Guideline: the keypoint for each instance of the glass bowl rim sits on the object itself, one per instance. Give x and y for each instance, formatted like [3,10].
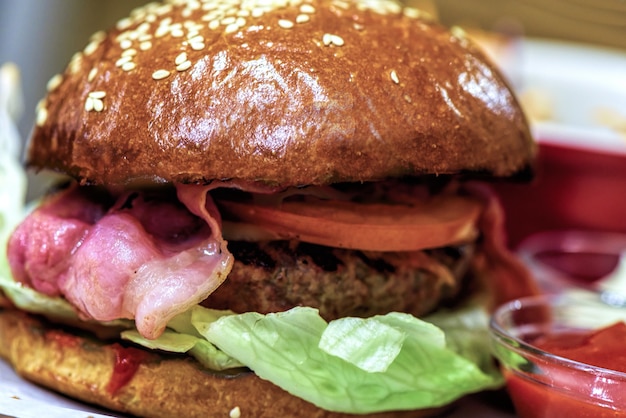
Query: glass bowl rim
[501,336]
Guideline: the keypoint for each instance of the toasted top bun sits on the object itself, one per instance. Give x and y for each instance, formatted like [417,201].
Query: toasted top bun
[280,92]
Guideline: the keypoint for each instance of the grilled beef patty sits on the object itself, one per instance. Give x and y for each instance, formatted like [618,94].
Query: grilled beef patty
[278,275]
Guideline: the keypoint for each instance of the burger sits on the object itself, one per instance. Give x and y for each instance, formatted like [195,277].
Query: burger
[273,208]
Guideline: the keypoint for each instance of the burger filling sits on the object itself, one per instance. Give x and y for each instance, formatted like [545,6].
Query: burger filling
[315,289]
[275,276]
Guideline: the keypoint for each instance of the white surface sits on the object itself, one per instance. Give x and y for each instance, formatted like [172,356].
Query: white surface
[22,399]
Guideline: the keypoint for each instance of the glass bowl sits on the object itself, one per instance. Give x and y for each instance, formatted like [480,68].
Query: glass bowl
[544,384]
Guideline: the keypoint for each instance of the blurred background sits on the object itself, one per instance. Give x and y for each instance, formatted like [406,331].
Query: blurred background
[565,58]
[41,36]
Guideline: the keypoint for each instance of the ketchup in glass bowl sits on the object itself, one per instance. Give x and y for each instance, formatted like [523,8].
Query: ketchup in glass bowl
[562,355]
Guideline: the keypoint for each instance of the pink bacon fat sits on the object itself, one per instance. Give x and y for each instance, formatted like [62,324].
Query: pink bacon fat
[138,256]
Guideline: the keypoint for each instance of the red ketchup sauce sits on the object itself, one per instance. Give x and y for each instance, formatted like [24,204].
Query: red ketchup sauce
[587,394]
[127,362]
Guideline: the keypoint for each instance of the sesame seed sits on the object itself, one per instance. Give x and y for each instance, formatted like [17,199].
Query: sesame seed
[98,105]
[177,33]
[89,104]
[76,62]
[97,94]
[241,22]
[235,413]
[197,46]
[182,57]
[394,77]
[302,18]
[98,36]
[145,37]
[341,4]
[129,52]
[330,39]
[358,26]
[213,15]
[307,8]
[126,43]
[143,28]
[124,23]
[285,24]
[160,74]
[129,66]
[144,46]
[458,32]
[337,40]
[192,27]
[92,74]
[42,116]
[91,47]
[394,8]
[123,61]
[257,12]
[228,20]
[54,82]
[164,9]
[232,28]
[412,12]
[197,39]
[132,35]
[214,24]
[243,13]
[161,31]
[183,66]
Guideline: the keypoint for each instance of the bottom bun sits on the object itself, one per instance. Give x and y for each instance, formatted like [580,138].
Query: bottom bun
[157,385]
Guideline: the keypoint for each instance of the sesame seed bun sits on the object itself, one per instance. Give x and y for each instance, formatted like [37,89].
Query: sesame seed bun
[317,92]
[161,387]
[282,93]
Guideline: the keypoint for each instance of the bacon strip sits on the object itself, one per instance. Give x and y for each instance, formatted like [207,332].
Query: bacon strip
[496,266]
[142,258]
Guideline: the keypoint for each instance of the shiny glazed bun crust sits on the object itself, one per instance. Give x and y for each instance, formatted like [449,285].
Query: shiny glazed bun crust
[283,93]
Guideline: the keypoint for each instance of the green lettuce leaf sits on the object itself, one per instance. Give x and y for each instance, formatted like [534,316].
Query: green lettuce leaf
[206,353]
[467,333]
[367,343]
[30,300]
[284,349]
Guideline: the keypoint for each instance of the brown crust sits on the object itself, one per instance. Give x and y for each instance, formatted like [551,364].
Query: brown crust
[402,96]
[161,387]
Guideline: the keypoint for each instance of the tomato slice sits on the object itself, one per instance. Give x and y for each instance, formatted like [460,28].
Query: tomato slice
[435,222]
